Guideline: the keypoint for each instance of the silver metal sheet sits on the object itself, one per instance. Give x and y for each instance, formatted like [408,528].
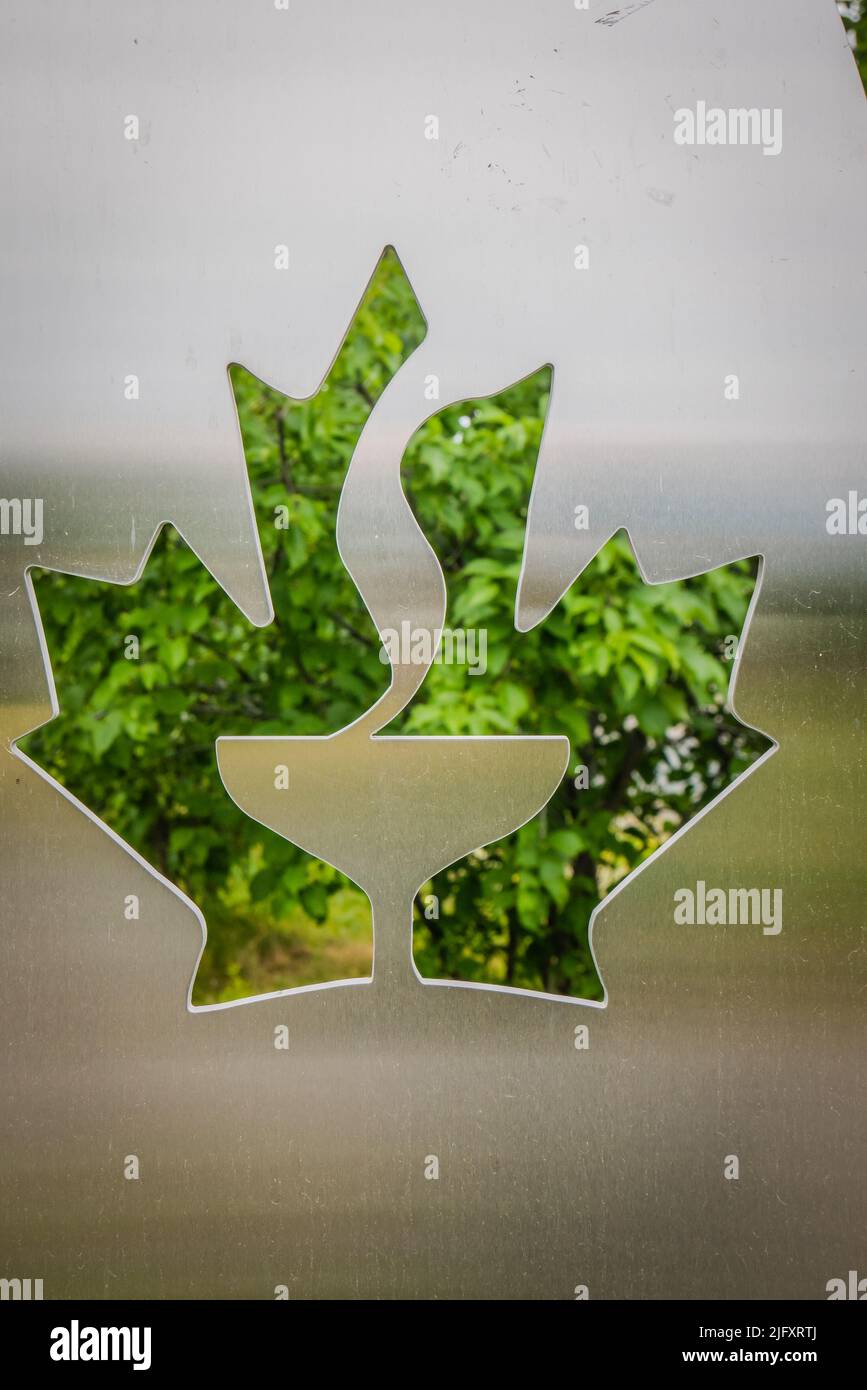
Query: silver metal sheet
[155,258]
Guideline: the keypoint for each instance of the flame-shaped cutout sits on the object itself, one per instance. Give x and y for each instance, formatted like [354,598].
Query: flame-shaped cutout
[391,811]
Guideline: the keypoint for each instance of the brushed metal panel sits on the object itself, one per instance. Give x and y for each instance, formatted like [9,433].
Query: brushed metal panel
[262,128]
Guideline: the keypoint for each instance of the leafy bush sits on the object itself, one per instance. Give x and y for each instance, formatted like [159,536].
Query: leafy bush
[634,675]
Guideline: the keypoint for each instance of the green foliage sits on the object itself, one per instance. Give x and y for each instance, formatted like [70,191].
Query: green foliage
[854,14]
[632,674]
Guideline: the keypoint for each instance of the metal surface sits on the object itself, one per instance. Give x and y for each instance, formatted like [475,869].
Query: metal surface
[261,128]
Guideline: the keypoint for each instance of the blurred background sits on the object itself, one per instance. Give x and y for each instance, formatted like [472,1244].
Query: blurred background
[636,676]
